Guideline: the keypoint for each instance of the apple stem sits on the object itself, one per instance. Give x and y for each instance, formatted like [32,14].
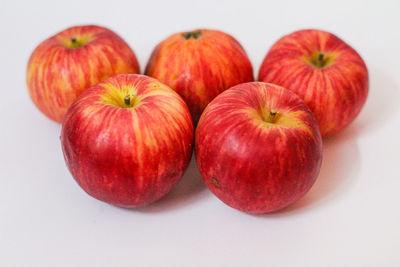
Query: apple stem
[272,116]
[73,40]
[127,100]
[194,35]
[321,57]
[320,62]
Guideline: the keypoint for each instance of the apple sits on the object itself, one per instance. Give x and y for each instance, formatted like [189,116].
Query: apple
[127,140]
[258,147]
[324,71]
[64,65]
[199,65]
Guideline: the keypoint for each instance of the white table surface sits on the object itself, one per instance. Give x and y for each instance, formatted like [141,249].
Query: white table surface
[349,218]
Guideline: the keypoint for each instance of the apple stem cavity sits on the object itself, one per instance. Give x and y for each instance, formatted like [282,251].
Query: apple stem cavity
[74,43]
[189,35]
[320,60]
[272,116]
[127,100]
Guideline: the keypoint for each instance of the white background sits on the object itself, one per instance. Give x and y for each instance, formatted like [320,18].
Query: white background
[349,218]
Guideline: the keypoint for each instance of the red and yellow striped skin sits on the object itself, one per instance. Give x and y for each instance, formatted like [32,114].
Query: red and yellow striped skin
[335,93]
[249,163]
[200,69]
[128,156]
[57,74]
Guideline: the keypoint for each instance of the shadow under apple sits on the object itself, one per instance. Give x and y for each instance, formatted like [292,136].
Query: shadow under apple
[339,171]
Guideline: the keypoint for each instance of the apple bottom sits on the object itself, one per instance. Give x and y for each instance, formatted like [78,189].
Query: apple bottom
[125,192]
[249,188]
[253,200]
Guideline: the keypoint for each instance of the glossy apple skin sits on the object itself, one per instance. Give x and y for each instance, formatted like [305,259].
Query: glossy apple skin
[200,69]
[336,93]
[250,164]
[57,73]
[129,157]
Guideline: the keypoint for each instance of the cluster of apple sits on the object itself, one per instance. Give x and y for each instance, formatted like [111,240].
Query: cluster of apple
[127,138]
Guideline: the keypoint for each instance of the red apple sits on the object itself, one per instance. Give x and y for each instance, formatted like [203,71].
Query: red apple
[64,65]
[258,147]
[127,140]
[324,71]
[199,65]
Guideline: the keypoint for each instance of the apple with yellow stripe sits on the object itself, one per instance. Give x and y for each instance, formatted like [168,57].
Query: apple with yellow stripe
[258,147]
[199,65]
[324,71]
[128,140]
[64,65]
